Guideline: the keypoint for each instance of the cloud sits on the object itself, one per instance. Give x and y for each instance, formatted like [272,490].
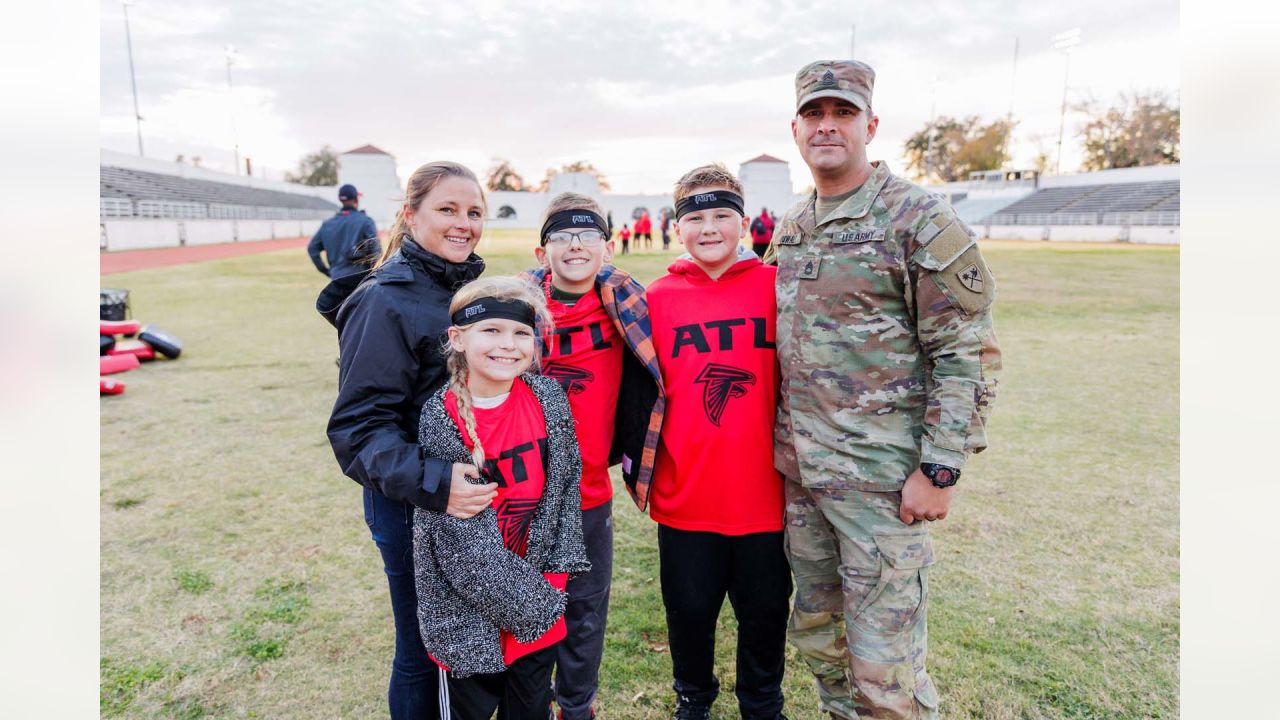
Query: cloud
[639,90]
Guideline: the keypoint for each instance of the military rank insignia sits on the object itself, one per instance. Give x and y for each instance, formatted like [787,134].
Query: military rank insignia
[971,278]
[809,264]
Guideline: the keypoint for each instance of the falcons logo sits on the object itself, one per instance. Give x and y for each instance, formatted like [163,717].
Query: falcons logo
[722,383]
[573,380]
[514,518]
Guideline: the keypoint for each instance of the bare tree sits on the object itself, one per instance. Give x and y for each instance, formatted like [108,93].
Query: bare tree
[1141,128]
[504,177]
[957,147]
[582,166]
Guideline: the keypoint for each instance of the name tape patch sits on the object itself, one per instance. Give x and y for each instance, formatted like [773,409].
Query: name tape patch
[860,235]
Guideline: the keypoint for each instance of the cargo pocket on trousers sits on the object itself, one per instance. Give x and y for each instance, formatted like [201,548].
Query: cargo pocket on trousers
[894,605]
[926,693]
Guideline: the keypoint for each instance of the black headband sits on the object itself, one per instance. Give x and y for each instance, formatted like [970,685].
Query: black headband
[489,308]
[572,219]
[708,200]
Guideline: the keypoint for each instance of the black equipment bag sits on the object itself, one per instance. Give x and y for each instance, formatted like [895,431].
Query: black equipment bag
[161,341]
[105,344]
[114,304]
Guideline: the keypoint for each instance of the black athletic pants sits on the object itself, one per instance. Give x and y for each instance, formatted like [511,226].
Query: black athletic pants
[578,655]
[697,570]
[521,692]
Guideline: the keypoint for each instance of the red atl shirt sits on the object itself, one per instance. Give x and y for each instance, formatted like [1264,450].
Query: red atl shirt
[514,438]
[584,355]
[715,341]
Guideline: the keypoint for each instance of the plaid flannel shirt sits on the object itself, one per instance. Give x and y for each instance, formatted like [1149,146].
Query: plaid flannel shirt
[624,301]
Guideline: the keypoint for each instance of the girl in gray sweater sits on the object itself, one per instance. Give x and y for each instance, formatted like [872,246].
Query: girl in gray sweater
[491,588]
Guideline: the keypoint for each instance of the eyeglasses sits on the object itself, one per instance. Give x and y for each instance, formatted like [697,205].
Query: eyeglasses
[564,238]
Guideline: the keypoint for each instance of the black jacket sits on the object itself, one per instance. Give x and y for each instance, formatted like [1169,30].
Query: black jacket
[349,240]
[391,324]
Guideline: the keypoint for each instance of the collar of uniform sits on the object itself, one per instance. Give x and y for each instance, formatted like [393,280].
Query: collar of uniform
[858,205]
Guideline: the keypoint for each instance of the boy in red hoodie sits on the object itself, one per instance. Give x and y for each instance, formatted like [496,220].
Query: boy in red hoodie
[716,497]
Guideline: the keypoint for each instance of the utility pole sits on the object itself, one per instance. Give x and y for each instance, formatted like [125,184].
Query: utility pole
[1066,42]
[230,51]
[128,38]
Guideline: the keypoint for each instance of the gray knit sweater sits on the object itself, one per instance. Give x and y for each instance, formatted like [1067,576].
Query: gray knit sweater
[469,584]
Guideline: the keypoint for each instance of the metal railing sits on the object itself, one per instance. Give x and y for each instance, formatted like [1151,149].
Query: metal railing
[1146,217]
[175,210]
[1090,218]
[115,207]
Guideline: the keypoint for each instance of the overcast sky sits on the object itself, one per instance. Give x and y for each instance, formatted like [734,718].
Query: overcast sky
[644,91]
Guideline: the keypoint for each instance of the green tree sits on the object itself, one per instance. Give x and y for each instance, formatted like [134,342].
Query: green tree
[1141,128]
[960,146]
[582,166]
[317,168]
[504,177]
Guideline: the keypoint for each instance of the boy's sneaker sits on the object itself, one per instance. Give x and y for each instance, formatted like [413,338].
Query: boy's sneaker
[686,709]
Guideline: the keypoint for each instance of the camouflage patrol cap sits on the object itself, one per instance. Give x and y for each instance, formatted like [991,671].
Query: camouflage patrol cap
[846,79]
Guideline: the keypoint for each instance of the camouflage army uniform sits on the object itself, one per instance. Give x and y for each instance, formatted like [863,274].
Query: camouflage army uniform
[888,356]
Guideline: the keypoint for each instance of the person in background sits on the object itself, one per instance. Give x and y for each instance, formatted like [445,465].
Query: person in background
[644,229]
[625,234]
[761,232]
[666,229]
[349,239]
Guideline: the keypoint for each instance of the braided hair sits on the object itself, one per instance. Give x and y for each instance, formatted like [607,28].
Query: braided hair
[503,288]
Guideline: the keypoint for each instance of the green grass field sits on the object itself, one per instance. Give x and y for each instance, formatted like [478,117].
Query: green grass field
[239,580]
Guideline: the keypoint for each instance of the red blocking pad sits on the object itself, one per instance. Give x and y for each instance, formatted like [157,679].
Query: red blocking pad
[137,348]
[119,327]
[109,364]
[109,387]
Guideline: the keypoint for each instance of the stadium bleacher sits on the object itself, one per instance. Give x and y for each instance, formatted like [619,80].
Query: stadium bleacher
[125,192]
[1134,203]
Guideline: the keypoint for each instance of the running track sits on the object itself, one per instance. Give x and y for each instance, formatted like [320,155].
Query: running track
[127,260]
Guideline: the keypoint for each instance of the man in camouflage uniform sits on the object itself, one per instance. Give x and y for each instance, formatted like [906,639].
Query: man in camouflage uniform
[888,356]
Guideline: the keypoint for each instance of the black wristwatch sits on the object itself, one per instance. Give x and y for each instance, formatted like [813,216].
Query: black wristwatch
[940,475]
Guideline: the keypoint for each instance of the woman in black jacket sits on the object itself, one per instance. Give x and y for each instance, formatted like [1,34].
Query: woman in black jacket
[390,330]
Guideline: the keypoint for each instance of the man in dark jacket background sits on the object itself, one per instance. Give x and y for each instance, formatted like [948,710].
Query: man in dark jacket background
[349,239]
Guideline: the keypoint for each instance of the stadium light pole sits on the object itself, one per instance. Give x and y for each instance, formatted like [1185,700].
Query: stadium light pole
[230,52]
[1013,94]
[933,114]
[128,39]
[1066,42]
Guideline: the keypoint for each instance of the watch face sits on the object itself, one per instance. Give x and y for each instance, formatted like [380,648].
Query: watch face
[943,476]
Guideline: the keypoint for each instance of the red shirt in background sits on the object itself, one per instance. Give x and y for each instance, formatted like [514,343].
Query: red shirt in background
[715,341]
[514,438]
[584,355]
